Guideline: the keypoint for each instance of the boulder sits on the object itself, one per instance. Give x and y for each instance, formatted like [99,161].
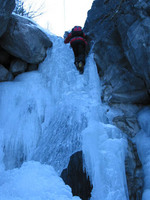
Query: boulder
[25,40]
[5,75]
[6,8]
[17,67]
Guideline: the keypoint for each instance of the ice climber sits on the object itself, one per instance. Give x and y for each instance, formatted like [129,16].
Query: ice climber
[78,42]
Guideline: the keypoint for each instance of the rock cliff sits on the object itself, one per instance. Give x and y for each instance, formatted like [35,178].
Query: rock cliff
[120,31]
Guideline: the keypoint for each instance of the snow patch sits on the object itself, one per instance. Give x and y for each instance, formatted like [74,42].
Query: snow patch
[33,181]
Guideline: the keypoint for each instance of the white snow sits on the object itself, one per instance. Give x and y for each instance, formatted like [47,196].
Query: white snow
[48,115]
[33,181]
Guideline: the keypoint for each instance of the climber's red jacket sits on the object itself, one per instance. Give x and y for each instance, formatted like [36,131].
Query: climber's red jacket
[70,38]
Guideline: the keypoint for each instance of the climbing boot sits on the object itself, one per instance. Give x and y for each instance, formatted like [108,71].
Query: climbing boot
[81,71]
[80,65]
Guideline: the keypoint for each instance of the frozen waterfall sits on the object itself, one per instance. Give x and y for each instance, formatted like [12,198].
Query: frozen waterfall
[142,140]
[48,115]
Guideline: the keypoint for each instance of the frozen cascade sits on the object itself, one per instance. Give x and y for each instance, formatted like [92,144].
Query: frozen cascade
[48,115]
[142,140]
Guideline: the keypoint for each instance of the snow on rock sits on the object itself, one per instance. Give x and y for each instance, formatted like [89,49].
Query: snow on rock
[25,40]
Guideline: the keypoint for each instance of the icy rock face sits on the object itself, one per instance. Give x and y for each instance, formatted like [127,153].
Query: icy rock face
[120,33]
[23,39]
[6,8]
[134,173]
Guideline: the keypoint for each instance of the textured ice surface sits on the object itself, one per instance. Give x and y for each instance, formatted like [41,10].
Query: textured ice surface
[143,146]
[33,181]
[48,115]
[104,150]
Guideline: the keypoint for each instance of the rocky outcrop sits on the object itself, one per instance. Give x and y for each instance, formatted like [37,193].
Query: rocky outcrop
[6,8]
[24,40]
[23,44]
[119,32]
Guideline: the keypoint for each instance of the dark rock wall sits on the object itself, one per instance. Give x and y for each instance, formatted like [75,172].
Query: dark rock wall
[120,31]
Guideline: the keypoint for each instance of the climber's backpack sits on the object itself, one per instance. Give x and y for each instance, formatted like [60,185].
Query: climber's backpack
[77,31]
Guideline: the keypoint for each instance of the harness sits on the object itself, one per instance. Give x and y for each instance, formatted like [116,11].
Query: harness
[78,39]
